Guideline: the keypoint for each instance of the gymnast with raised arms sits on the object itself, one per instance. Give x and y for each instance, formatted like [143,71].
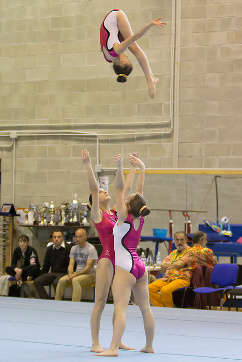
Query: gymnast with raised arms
[130,273]
[104,218]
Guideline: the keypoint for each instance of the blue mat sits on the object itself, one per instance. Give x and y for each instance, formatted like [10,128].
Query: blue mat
[41,330]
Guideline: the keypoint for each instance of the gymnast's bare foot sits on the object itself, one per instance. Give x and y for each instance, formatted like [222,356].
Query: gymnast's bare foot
[147,350]
[155,79]
[109,353]
[97,349]
[123,346]
[152,85]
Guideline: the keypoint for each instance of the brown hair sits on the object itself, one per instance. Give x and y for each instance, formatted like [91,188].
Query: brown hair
[23,238]
[137,206]
[122,71]
[197,237]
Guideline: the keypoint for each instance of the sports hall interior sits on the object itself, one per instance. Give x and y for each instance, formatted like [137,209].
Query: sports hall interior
[58,96]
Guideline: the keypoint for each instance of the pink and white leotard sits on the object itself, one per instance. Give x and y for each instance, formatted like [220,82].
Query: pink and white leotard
[126,240]
[105,233]
[109,34]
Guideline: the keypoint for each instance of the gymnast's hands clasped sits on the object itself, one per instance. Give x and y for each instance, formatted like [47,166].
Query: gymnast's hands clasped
[135,160]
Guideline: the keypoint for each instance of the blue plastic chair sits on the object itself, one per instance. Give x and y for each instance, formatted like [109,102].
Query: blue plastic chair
[236,291]
[223,275]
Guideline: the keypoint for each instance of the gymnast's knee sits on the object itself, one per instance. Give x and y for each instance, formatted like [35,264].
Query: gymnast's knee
[100,303]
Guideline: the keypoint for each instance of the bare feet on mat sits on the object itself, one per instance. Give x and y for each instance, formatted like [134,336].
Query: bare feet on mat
[97,349]
[147,350]
[109,353]
[123,346]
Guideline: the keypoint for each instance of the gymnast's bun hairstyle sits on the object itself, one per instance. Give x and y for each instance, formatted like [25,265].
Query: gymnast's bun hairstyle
[137,206]
[122,71]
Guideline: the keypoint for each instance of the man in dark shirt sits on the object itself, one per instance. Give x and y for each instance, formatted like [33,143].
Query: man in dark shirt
[25,261]
[55,264]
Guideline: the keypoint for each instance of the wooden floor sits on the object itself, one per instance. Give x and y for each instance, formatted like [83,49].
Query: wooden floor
[40,330]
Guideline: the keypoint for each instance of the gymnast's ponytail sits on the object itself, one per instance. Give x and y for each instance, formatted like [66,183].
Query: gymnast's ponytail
[137,206]
[122,71]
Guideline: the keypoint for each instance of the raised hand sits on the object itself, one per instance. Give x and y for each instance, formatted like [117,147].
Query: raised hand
[119,159]
[131,160]
[160,24]
[135,160]
[85,157]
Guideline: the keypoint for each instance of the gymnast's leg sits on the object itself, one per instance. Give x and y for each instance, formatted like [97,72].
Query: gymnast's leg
[104,276]
[126,31]
[122,285]
[141,295]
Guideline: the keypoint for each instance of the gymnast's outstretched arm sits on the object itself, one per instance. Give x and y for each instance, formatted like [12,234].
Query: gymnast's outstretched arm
[93,185]
[141,177]
[130,178]
[120,203]
[124,27]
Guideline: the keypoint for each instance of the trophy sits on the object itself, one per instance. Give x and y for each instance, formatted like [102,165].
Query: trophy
[46,213]
[30,215]
[26,211]
[34,208]
[84,214]
[70,213]
[52,213]
[75,216]
[57,216]
[40,213]
[64,213]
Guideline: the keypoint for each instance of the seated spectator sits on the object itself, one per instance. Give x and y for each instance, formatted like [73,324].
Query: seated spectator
[25,264]
[177,268]
[204,255]
[85,257]
[55,264]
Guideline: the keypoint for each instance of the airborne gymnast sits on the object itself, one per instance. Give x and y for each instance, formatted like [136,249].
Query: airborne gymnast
[116,36]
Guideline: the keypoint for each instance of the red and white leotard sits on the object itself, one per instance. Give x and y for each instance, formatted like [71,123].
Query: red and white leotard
[126,240]
[109,34]
[105,233]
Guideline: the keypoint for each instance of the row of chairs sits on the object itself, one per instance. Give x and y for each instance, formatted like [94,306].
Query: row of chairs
[225,280]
